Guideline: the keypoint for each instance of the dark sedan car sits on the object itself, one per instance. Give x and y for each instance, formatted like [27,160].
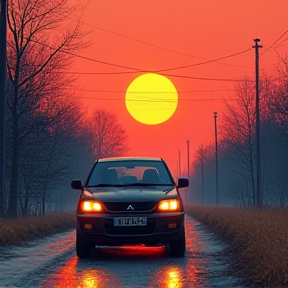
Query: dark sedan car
[130,201]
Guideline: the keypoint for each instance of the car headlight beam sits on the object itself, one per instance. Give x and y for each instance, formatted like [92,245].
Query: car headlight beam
[90,206]
[170,205]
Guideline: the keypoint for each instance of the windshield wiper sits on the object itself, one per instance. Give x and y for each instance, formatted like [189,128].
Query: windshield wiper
[102,185]
[129,184]
[146,184]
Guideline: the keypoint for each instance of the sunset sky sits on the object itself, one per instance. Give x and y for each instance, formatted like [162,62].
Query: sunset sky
[152,35]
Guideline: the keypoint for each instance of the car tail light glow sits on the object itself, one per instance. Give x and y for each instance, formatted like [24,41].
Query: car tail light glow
[90,206]
[169,205]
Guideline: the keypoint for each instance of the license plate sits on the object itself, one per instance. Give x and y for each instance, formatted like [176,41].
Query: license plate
[130,221]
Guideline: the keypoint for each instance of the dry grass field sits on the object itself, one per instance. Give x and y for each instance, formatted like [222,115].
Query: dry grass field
[15,231]
[257,241]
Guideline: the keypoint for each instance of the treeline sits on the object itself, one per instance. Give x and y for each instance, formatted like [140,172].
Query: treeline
[237,148]
[49,139]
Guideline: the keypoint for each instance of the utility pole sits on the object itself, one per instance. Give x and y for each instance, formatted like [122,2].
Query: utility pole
[188,157]
[216,158]
[2,101]
[179,162]
[202,174]
[258,154]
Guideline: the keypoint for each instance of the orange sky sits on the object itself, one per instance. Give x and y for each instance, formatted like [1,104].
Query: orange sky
[162,34]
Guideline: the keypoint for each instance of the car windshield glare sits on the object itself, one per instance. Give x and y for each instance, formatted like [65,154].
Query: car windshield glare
[121,173]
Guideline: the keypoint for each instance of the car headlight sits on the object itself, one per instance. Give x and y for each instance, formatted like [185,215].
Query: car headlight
[170,205]
[90,206]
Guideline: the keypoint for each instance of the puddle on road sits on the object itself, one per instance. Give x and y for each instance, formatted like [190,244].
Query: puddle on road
[202,266]
[20,264]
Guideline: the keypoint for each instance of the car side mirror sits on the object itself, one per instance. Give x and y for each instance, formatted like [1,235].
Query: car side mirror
[183,182]
[77,184]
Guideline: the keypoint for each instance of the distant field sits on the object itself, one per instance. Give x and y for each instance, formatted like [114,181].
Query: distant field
[15,231]
[258,240]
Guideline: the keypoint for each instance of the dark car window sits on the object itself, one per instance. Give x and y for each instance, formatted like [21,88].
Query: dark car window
[129,173]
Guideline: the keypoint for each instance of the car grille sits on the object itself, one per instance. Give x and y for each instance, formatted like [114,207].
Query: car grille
[129,230]
[123,206]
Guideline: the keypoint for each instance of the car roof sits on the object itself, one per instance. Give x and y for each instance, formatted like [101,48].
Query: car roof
[108,159]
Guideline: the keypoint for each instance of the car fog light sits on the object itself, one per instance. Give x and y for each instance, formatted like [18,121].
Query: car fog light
[88,226]
[172,225]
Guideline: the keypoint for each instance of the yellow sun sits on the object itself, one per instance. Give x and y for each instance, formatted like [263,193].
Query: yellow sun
[151,99]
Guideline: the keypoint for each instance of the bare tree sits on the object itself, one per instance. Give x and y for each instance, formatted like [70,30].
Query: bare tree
[107,136]
[278,100]
[39,48]
[54,146]
[238,143]
[238,129]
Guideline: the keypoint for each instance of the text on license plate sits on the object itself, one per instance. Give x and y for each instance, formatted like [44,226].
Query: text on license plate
[130,221]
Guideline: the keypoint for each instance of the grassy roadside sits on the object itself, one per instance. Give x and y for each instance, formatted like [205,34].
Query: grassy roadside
[257,241]
[15,231]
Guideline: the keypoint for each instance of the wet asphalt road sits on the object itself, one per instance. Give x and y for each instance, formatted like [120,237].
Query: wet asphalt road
[51,263]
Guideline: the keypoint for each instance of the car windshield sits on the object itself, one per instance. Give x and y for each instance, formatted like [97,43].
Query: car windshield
[128,172]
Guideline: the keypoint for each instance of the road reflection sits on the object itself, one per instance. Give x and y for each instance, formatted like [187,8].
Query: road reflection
[169,277]
[70,276]
[138,266]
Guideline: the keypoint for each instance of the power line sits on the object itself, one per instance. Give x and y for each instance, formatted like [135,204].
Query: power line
[278,39]
[281,43]
[141,92]
[153,45]
[87,58]
[181,107]
[206,62]
[168,75]
[159,100]
[137,70]
[209,79]
[167,69]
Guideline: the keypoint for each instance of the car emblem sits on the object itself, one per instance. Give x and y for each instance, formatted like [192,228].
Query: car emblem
[130,207]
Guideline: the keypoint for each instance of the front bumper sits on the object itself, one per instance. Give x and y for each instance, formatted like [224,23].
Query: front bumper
[99,229]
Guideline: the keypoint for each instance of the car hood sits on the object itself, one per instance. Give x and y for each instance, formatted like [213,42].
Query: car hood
[147,194]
